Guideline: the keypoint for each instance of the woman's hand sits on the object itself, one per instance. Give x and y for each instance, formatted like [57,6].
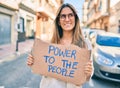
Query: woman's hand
[88,70]
[30,60]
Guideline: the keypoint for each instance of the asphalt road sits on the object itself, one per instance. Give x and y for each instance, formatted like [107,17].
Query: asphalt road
[16,74]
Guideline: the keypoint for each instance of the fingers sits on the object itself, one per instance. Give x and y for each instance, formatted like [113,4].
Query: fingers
[30,60]
[88,68]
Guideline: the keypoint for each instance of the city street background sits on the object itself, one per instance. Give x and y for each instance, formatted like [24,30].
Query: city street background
[21,21]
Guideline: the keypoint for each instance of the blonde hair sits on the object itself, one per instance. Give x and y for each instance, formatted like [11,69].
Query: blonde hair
[58,32]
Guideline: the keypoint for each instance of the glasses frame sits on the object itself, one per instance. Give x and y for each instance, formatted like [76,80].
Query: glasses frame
[63,16]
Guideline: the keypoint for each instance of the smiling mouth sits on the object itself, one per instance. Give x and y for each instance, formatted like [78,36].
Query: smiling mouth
[67,25]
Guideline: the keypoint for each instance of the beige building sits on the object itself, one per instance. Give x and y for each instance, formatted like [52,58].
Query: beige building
[26,18]
[96,14]
[17,20]
[102,14]
[46,12]
[85,12]
[8,11]
[115,16]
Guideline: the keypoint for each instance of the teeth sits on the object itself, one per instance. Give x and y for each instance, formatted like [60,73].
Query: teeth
[67,24]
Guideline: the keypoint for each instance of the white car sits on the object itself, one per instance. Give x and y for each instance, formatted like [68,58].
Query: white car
[106,56]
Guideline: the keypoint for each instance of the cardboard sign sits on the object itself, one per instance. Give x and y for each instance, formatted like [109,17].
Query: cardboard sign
[63,62]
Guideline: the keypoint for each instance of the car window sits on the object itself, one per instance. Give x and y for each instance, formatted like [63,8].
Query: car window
[108,41]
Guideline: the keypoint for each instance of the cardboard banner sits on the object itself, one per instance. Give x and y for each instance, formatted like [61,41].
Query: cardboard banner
[63,62]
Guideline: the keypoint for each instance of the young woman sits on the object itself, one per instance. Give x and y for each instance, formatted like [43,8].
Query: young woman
[67,31]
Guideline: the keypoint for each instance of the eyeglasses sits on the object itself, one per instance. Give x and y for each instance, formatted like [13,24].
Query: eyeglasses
[63,16]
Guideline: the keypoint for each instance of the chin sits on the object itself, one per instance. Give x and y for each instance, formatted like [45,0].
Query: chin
[68,29]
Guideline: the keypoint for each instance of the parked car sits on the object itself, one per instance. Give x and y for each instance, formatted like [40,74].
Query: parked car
[106,56]
[91,34]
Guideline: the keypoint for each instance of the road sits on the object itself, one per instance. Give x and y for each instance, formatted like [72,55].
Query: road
[16,74]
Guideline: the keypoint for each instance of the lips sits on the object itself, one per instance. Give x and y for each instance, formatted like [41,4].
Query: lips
[67,25]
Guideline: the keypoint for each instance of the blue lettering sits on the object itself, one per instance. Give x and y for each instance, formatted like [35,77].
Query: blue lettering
[49,68]
[51,48]
[61,53]
[49,59]
[58,70]
[62,71]
[68,53]
[64,63]
[73,54]
[46,58]
[69,64]
[56,51]
[74,66]
[71,73]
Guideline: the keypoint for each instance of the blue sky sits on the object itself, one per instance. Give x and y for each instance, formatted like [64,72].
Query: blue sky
[78,4]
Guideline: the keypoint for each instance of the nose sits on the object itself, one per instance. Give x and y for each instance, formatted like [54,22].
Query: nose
[67,18]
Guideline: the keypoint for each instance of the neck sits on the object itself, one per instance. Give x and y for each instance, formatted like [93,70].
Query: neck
[67,35]
[66,39]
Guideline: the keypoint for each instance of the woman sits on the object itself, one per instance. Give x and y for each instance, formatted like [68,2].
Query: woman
[67,31]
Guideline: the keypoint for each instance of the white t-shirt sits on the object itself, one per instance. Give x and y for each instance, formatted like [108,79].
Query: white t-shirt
[48,82]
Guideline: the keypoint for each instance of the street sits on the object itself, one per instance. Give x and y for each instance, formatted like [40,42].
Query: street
[16,74]
[76,22]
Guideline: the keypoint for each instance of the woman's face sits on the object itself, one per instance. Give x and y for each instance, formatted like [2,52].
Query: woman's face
[67,19]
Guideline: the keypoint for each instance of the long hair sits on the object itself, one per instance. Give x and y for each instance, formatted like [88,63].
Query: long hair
[58,31]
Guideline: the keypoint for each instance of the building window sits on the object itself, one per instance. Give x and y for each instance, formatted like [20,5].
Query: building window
[90,14]
[89,3]
[100,6]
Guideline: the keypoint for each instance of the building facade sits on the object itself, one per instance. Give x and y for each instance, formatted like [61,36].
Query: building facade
[46,12]
[27,19]
[8,11]
[97,16]
[24,19]
[115,17]
[102,14]
[17,20]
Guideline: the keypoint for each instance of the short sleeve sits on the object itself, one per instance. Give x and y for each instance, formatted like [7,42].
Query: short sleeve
[88,43]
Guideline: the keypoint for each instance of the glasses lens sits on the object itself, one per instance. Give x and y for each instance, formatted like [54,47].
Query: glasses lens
[63,16]
[70,15]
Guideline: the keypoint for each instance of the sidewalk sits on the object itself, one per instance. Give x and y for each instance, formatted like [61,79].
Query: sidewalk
[9,50]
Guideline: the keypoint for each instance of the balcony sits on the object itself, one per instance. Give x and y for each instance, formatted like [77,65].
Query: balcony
[45,13]
[101,15]
[13,5]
